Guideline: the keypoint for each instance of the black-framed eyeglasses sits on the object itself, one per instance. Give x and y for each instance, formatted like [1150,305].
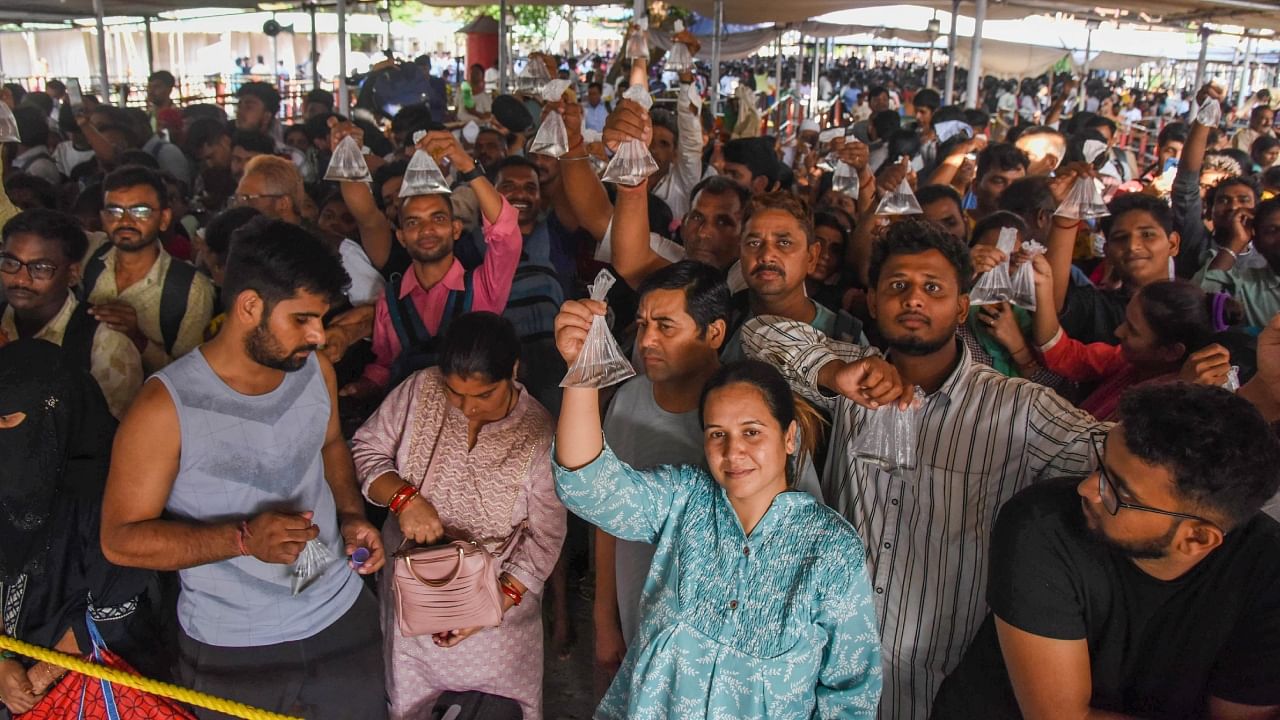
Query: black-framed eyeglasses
[1112,502]
[238,200]
[37,269]
[141,213]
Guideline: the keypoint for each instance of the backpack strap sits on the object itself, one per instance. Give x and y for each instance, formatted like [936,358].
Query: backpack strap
[404,316]
[173,301]
[77,339]
[458,304]
[92,271]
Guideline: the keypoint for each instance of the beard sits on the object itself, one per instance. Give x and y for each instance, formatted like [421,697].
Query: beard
[1151,549]
[429,256]
[265,350]
[917,346]
[130,242]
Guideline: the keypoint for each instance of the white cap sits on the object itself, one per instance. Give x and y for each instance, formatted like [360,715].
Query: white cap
[809,125]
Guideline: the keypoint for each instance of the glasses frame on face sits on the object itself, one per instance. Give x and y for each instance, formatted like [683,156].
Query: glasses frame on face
[1107,489]
[140,212]
[245,198]
[14,266]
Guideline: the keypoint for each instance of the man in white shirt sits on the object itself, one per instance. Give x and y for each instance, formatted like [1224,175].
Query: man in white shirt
[594,110]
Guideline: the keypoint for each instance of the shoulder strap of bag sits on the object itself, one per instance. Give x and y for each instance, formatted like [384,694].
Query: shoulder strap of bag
[173,301]
[92,271]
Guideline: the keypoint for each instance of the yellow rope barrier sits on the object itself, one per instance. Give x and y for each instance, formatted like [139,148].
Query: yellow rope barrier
[137,682]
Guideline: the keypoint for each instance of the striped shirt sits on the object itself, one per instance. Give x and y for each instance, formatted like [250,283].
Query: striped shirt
[982,438]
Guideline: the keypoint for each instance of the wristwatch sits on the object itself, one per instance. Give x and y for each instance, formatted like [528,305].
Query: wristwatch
[475,172]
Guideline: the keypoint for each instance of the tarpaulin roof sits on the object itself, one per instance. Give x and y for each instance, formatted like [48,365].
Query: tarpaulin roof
[18,11]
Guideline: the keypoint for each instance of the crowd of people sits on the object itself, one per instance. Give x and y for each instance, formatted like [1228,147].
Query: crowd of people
[849,478]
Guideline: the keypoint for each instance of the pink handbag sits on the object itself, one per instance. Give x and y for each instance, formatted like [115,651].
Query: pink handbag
[449,587]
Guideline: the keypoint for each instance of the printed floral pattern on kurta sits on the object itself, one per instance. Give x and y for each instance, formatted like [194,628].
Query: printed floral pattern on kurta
[779,624]
[481,494]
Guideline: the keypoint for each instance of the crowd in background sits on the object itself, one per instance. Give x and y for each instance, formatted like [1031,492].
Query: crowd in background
[214,360]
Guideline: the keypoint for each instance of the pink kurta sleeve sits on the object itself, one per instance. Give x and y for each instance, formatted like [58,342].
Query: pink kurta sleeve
[502,254]
[376,445]
[535,555]
[386,346]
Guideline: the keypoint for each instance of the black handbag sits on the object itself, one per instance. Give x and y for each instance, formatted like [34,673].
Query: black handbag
[474,705]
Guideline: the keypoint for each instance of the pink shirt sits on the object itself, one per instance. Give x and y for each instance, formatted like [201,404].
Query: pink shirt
[491,285]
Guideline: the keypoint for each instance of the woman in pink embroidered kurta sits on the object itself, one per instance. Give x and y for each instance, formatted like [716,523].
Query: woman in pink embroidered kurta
[477,448]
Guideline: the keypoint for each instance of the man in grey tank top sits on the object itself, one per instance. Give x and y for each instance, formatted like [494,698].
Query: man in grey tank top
[230,462]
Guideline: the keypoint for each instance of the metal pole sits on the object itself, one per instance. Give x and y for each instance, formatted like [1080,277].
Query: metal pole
[503,60]
[715,57]
[104,84]
[975,55]
[1244,72]
[391,43]
[950,86]
[928,72]
[344,95]
[813,78]
[315,51]
[1201,61]
[1088,48]
[777,70]
[573,51]
[151,50]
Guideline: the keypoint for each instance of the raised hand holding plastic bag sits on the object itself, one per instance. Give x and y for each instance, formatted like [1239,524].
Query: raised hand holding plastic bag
[888,436]
[900,201]
[552,138]
[1023,282]
[8,125]
[1084,201]
[310,564]
[995,286]
[845,180]
[638,40]
[1210,113]
[347,163]
[632,163]
[601,362]
[678,57]
[423,176]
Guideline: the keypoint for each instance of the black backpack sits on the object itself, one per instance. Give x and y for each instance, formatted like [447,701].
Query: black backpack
[419,349]
[173,296]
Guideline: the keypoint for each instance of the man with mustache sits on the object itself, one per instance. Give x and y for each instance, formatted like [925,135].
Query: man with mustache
[135,287]
[779,249]
[417,308]
[980,437]
[229,464]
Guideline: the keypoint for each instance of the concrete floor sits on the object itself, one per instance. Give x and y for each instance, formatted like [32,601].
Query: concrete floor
[567,684]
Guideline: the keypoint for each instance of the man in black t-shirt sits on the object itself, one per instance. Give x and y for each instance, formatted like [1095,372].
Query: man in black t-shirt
[1149,589]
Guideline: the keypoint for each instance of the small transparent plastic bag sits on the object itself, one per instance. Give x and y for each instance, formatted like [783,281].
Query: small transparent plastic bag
[423,176]
[1233,379]
[1023,280]
[1084,201]
[601,362]
[552,138]
[1210,113]
[533,76]
[899,202]
[8,125]
[845,180]
[311,562]
[678,57]
[638,41]
[888,437]
[632,163]
[995,285]
[347,163]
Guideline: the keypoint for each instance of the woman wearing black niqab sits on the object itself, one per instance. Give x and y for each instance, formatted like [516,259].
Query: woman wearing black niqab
[55,450]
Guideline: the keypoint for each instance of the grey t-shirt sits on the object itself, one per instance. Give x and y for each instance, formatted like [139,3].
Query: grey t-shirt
[643,435]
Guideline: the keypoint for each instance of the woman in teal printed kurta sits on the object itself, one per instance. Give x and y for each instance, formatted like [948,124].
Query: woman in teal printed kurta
[757,604]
